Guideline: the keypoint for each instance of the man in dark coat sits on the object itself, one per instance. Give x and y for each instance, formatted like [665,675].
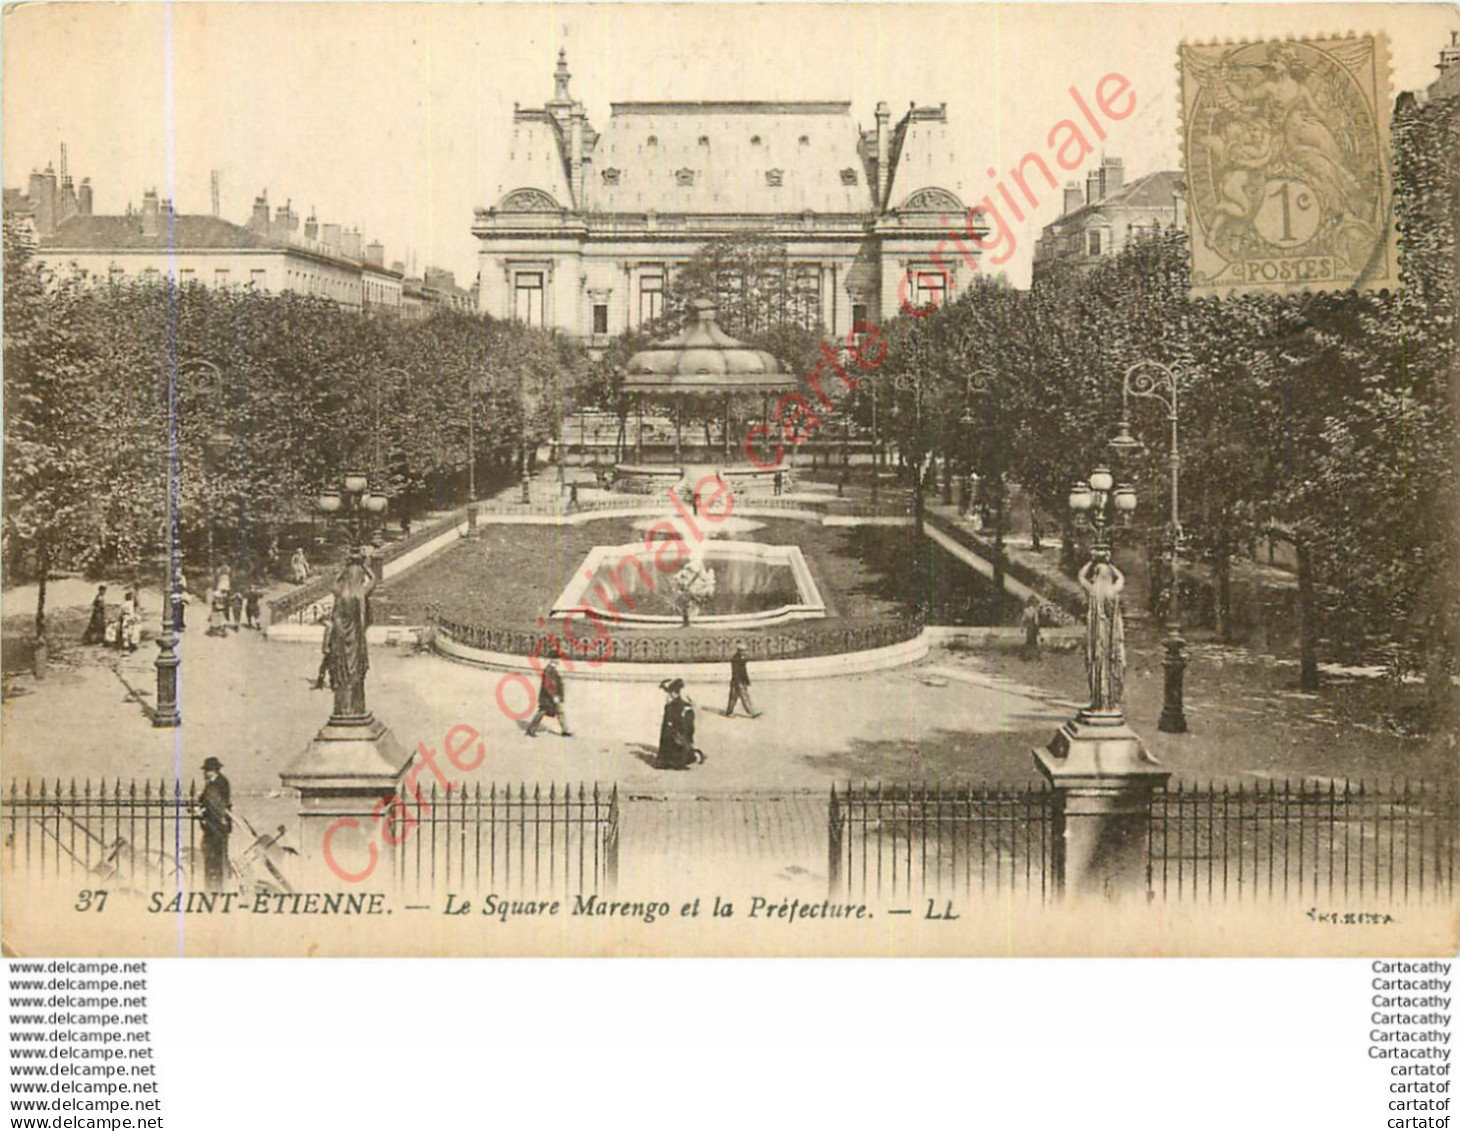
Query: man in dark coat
[96,627]
[550,696]
[740,686]
[215,815]
[677,730]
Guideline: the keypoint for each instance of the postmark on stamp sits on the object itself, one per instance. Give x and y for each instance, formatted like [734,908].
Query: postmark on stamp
[1286,147]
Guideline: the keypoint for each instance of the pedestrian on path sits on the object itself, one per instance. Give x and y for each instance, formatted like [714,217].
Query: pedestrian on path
[96,627]
[129,625]
[550,696]
[1029,620]
[215,815]
[251,606]
[324,659]
[677,729]
[218,601]
[740,686]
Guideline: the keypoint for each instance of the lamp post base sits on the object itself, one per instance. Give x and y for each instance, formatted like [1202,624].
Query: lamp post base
[167,713]
[1173,709]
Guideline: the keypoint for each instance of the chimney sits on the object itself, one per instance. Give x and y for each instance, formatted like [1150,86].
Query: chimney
[575,156]
[375,253]
[150,224]
[43,201]
[1092,187]
[67,206]
[259,221]
[311,226]
[884,116]
[286,221]
[1073,197]
[83,197]
[440,279]
[350,243]
[329,235]
[1112,176]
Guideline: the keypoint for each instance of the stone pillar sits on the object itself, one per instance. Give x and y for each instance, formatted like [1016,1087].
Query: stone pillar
[1103,778]
[342,776]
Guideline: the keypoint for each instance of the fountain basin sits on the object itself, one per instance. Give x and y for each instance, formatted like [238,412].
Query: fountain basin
[755,584]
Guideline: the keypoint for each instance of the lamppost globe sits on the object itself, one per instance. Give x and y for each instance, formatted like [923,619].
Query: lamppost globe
[329,502]
[355,482]
[1081,497]
[1123,443]
[375,502]
[1125,498]
[1101,479]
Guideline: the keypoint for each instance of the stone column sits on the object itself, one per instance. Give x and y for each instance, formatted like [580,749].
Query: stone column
[1103,778]
[343,777]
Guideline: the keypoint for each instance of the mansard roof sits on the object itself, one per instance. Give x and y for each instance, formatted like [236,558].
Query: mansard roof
[124,233]
[772,158]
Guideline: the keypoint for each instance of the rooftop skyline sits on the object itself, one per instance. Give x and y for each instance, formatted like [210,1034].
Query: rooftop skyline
[398,119]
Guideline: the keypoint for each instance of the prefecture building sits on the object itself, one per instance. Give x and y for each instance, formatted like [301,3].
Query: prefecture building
[586,226]
[1103,218]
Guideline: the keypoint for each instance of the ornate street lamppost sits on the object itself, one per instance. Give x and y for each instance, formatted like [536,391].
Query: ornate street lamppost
[354,764]
[1160,383]
[216,448]
[1102,774]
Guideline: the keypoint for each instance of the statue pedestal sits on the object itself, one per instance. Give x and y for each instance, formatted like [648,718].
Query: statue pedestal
[343,776]
[1103,778]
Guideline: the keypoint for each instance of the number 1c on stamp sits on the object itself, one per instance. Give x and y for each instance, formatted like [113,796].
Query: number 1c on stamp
[1286,146]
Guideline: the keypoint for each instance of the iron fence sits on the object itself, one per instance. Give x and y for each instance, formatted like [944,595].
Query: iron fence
[911,839]
[139,837]
[1394,844]
[648,647]
[510,841]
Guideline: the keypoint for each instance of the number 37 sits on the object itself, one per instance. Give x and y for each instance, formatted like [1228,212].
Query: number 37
[85,899]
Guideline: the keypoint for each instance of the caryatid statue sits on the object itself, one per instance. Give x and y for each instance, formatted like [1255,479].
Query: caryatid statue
[1104,632]
[349,655]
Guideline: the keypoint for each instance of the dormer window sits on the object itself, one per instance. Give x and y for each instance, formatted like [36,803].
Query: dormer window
[755,140]
[705,141]
[684,177]
[803,140]
[849,176]
[653,140]
[773,177]
[610,176]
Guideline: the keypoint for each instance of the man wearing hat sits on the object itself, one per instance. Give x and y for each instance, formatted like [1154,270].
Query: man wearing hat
[550,696]
[215,815]
[740,686]
[677,730]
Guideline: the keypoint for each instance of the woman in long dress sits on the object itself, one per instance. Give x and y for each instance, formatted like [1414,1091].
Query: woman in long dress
[96,627]
[677,730]
[129,628]
[1104,632]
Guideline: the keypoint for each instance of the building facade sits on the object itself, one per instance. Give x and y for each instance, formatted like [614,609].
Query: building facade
[270,253]
[587,228]
[1103,218]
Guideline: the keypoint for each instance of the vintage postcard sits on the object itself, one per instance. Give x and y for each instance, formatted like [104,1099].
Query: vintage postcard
[770,480]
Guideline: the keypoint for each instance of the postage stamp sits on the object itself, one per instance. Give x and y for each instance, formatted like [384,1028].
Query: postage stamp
[1286,147]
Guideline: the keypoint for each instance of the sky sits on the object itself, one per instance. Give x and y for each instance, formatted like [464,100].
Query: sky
[396,118]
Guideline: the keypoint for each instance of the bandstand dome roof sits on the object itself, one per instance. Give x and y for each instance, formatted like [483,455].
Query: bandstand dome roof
[704,360]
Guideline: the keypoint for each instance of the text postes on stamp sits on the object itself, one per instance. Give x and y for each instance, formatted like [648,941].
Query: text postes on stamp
[1286,146]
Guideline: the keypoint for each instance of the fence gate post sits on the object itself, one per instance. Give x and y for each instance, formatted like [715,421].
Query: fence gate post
[1103,778]
[834,846]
